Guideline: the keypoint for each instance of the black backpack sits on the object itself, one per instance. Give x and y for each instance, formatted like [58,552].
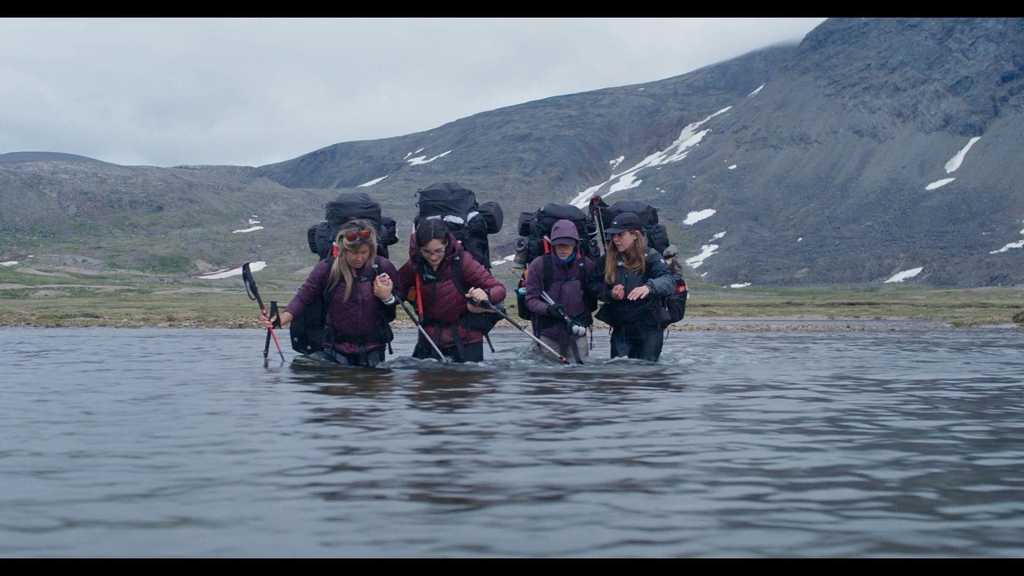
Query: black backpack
[350,206]
[469,221]
[306,329]
[674,306]
[655,233]
[534,228]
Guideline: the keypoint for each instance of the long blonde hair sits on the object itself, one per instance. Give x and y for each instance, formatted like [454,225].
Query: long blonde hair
[340,269]
[634,257]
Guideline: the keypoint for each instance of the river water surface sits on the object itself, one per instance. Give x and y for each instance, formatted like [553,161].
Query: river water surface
[873,440]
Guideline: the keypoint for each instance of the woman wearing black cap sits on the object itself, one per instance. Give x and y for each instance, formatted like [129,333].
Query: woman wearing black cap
[630,282]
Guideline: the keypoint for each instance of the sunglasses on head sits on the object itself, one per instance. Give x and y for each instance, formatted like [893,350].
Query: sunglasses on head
[353,235]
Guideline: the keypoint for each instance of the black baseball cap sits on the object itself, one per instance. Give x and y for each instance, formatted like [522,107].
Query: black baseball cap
[623,222]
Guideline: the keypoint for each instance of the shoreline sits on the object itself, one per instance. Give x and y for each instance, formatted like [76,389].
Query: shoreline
[119,302]
[732,324]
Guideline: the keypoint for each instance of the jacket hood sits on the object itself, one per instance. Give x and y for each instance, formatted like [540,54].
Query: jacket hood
[564,230]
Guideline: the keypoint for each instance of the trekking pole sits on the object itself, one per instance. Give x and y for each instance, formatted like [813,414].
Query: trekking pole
[254,294]
[487,304]
[405,306]
[595,208]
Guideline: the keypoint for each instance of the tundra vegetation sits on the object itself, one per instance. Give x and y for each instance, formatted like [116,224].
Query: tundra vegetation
[67,296]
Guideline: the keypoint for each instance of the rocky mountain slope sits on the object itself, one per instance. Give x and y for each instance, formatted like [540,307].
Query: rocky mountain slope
[875,150]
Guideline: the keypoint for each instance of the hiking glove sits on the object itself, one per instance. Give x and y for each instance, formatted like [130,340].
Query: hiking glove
[556,310]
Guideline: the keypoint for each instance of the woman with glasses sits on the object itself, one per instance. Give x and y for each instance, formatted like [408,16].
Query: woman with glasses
[359,290]
[445,281]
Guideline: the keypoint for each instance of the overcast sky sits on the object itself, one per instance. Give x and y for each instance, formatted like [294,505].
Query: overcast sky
[253,91]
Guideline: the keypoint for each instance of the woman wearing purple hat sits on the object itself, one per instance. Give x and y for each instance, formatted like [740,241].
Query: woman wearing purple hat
[558,293]
[630,282]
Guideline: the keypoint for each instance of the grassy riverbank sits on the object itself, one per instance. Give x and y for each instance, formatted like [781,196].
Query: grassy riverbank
[66,296]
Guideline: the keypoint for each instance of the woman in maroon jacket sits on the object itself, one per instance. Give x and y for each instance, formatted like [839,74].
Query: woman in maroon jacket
[360,288]
[444,280]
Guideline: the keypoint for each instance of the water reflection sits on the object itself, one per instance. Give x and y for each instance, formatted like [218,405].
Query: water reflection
[431,385]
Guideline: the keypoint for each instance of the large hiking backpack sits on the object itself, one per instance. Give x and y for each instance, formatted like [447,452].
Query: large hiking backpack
[306,329]
[655,234]
[469,221]
[534,228]
[533,241]
[350,206]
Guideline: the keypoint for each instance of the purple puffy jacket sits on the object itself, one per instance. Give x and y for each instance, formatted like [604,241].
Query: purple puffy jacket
[565,289]
[358,321]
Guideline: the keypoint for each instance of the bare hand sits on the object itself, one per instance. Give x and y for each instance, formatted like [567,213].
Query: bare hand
[268,323]
[618,292]
[640,292]
[477,295]
[382,286]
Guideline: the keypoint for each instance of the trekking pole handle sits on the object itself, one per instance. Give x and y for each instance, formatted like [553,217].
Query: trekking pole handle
[576,329]
[250,285]
[475,302]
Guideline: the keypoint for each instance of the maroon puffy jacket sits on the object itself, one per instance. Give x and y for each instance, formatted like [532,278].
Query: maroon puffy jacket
[444,302]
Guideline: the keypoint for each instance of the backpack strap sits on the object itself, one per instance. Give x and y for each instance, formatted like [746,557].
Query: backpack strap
[456,268]
[390,312]
[419,294]
[549,270]
[329,293]
[460,282]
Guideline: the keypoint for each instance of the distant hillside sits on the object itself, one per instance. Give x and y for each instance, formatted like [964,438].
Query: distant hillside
[183,220]
[14,157]
[875,150]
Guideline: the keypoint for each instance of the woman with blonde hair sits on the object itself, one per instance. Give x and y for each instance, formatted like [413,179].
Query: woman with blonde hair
[359,289]
[630,283]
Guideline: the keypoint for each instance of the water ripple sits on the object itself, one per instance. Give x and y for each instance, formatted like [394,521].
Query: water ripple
[902,441]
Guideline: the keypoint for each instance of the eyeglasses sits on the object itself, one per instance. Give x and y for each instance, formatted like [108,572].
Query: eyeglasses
[437,252]
[353,235]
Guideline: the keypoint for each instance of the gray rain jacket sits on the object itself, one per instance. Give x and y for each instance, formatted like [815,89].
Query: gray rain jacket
[644,312]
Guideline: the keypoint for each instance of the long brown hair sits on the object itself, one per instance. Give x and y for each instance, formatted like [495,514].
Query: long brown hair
[634,257]
[340,269]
